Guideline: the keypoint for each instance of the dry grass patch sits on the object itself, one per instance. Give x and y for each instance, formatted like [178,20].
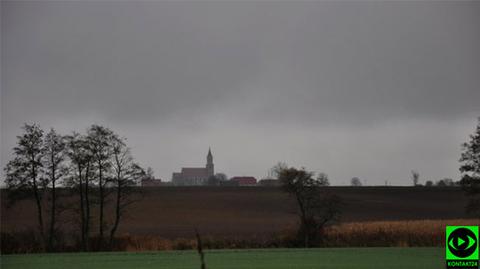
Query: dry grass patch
[417,233]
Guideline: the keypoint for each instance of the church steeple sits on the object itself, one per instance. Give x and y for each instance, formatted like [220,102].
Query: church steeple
[209,165]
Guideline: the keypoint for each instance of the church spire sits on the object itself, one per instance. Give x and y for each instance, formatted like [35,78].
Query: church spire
[209,165]
[209,157]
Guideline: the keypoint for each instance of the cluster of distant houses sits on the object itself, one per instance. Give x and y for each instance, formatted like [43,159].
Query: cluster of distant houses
[242,181]
[202,176]
[205,176]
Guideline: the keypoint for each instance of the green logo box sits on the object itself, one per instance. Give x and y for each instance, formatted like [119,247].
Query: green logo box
[462,246]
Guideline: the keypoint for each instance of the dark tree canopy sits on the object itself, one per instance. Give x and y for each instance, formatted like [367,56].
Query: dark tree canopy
[356,182]
[23,171]
[315,208]
[470,169]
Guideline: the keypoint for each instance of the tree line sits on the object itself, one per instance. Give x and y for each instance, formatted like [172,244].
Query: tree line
[97,167]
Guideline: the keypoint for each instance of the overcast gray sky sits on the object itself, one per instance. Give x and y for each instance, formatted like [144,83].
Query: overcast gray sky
[365,89]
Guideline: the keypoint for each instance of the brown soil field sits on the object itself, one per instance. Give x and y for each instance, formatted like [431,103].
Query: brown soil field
[240,212]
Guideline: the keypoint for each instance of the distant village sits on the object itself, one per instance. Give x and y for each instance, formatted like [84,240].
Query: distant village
[205,176]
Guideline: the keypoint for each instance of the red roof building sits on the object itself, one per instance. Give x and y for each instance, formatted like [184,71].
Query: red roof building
[244,181]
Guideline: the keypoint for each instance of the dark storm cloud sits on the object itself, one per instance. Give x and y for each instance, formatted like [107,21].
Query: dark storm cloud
[185,75]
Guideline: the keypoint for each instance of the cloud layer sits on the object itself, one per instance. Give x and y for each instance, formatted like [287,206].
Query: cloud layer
[367,89]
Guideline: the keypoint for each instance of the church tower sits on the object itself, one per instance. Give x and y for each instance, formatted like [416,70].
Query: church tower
[209,165]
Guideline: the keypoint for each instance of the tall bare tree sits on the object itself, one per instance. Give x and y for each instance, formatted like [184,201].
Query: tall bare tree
[81,159]
[126,174]
[99,139]
[55,169]
[24,174]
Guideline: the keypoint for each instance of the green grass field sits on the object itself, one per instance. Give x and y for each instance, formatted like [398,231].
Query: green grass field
[324,258]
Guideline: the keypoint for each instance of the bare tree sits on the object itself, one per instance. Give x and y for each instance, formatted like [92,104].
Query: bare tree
[415,177]
[81,159]
[126,174]
[315,209]
[24,174]
[470,169]
[99,140]
[55,170]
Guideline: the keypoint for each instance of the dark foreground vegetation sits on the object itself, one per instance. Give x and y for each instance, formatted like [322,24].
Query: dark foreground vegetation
[421,233]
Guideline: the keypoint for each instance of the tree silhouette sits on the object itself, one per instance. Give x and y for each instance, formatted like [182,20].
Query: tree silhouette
[415,177]
[24,174]
[470,169]
[355,182]
[315,208]
[55,170]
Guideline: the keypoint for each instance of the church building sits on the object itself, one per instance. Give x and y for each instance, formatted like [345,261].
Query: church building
[194,176]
